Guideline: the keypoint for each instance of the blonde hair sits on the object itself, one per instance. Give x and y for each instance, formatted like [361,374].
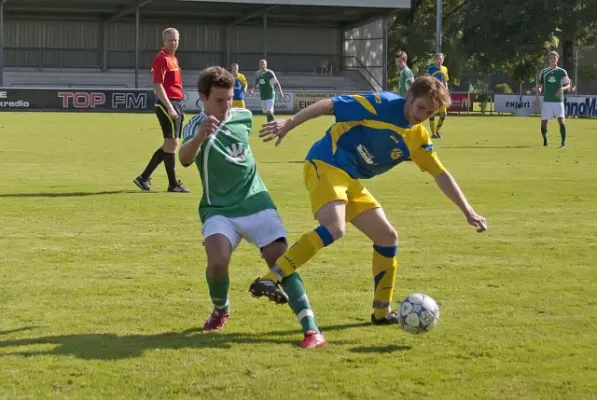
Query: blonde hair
[428,86]
[168,31]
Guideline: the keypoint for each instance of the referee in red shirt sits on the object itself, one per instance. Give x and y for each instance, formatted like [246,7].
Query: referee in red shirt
[167,84]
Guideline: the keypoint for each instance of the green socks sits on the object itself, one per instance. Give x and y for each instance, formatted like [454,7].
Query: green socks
[218,291]
[298,302]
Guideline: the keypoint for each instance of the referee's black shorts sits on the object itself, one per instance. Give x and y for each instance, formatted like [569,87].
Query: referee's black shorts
[171,128]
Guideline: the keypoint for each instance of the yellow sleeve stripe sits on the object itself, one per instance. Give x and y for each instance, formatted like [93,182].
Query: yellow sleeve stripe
[369,123]
[340,128]
[365,103]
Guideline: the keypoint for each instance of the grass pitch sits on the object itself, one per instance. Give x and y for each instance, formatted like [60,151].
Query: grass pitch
[103,295]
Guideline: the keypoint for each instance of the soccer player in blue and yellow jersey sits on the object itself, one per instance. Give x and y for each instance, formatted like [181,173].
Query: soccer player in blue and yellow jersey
[440,72]
[240,87]
[373,133]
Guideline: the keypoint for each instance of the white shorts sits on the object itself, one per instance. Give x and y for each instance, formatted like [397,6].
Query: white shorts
[267,106]
[259,229]
[551,110]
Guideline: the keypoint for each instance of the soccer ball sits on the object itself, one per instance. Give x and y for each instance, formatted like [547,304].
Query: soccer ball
[419,313]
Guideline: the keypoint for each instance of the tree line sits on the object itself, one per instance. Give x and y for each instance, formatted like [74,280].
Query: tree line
[487,42]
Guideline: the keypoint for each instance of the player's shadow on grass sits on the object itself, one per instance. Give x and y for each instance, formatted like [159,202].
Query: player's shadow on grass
[108,346]
[69,194]
[380,349]
[23,329]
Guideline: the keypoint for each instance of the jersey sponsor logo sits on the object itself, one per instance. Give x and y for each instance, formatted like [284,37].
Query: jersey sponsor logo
[365,154]
[395,154]
[236,154]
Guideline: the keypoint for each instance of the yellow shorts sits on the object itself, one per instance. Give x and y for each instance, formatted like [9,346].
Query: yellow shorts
[326,183]
[238,103]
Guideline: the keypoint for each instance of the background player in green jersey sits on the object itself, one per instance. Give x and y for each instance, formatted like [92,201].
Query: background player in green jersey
[235,202]
[553,81]
[266,81]
[405,75]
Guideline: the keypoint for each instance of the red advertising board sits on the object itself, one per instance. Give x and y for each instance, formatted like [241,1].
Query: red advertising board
[461,102]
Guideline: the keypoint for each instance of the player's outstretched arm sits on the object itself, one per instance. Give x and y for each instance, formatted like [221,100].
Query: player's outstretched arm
[280,127]
[448,185]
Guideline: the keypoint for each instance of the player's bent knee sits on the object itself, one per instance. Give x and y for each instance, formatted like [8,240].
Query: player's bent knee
[392,237]
[273,251]
[336,230]
[170,145]
[388,237]
[217,267]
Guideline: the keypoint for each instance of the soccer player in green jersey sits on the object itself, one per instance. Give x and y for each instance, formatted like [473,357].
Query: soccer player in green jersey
[266,81]
[553,81]
[405,77]
[235,202]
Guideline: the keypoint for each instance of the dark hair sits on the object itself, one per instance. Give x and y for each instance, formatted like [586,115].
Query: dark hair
[427,86]
[211,77]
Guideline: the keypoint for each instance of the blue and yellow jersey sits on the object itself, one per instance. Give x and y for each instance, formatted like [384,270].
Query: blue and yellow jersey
[371,136]
[441,73]
[240,82]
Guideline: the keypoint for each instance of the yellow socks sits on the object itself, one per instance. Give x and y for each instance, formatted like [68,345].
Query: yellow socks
[385,267]
[302,251]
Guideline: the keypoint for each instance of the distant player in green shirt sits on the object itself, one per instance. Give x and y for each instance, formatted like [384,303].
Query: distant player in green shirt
[266,81]
[405,75]
[235,204]
[553,81]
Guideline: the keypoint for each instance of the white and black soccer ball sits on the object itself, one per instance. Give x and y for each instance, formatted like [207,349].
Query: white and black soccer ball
[418,313]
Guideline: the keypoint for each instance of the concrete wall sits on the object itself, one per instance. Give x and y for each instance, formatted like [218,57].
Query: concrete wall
[364,51]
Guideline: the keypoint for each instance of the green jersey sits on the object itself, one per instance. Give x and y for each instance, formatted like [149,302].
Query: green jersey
[231,185]
[553,79]
[406,80]
[266,80]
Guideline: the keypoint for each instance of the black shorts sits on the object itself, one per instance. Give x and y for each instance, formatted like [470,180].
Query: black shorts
[171,128]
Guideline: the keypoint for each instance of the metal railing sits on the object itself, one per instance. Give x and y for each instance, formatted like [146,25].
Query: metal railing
[58,58]
[353,63]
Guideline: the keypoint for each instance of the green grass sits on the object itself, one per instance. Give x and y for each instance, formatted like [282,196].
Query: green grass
[102,288]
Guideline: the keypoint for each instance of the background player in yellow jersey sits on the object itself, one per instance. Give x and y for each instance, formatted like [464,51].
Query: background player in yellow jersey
[440,72]
[240,87]
[373,133]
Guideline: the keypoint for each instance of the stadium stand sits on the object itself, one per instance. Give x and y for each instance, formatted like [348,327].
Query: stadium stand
[346,81]
[338,45]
